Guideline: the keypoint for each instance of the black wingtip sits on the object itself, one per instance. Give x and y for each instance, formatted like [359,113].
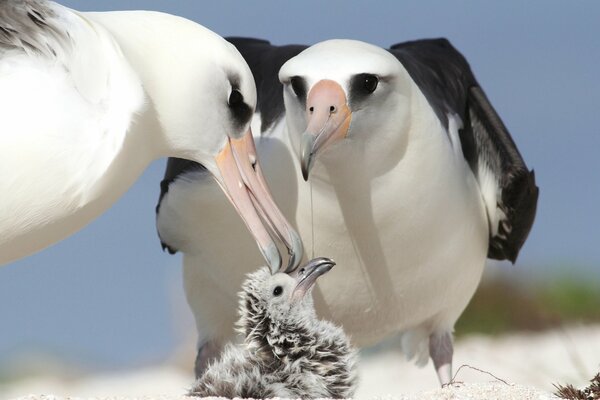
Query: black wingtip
[245,40]
[440,41]
[521,193]
[167,248]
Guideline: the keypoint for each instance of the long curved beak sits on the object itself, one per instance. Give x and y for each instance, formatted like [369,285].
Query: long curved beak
[328,118]
[245,186]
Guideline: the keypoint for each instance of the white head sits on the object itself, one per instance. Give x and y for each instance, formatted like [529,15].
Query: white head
[204,96]
[339,92]
[274,305]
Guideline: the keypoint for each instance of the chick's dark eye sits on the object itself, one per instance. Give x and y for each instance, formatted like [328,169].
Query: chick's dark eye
[235,98]
[370,82]
[277,291]
[297,86]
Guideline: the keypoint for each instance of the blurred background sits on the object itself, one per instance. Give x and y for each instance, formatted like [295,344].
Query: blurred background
[108,303]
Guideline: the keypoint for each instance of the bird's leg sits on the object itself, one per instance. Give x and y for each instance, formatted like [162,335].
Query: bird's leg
[440,351]
[207,352]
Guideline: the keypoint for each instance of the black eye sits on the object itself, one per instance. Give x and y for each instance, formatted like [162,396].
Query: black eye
[370,82]
[277,291]
[235,98]
[298,86]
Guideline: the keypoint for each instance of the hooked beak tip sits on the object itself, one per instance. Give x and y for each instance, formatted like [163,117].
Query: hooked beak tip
[307,275]
[296,253]
[306,154]
[271,254]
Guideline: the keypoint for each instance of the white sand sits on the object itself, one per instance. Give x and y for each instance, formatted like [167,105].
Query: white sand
[529,363]
[487,391]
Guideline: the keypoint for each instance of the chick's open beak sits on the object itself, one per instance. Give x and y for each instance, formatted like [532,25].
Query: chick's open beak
[307,275]
[246,188]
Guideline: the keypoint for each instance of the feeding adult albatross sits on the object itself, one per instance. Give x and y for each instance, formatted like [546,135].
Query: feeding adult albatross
[414,182]
[88,100]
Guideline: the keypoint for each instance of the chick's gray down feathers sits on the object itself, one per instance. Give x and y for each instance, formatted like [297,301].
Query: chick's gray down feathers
[287,351]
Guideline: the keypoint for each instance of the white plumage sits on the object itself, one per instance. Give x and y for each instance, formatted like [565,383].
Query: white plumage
[88,100]
[384,138]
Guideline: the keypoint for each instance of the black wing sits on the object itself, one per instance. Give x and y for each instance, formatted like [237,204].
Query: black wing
[446,80]
[264,60]
[176,167]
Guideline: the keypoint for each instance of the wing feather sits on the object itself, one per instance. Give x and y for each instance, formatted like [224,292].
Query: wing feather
[507,186]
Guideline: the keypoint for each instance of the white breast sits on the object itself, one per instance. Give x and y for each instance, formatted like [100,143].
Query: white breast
[410,244]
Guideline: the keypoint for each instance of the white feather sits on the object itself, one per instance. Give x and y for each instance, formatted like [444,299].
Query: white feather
[82,117]
[395,205]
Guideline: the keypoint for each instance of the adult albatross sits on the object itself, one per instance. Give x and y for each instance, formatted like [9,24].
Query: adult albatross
[413,182]
[88,100]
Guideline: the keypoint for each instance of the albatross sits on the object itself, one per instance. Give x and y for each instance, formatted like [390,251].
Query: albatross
[394,163]
[88,100]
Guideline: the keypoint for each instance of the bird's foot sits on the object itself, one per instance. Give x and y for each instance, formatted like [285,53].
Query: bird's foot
[441,351]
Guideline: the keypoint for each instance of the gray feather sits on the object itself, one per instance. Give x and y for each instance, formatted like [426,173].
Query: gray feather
[291,355]
[31,26]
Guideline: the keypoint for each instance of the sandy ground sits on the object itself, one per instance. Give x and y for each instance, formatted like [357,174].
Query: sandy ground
[520,366]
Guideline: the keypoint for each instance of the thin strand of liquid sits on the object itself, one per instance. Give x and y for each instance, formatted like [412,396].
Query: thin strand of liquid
[312,220]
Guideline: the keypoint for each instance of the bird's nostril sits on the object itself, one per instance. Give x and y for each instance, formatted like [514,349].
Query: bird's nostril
[332,109]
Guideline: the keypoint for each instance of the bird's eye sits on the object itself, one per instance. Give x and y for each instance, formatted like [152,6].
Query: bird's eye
[235,98]
[297,86]
[370,82]
[277,291]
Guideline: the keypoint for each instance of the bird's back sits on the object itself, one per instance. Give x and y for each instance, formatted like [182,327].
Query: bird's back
[67,97]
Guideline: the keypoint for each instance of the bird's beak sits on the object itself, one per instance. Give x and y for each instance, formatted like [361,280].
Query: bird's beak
[328,118]
[307,275]
[246,188]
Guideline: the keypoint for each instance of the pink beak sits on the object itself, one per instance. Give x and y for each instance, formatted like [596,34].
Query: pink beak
[246,188]
[328,118]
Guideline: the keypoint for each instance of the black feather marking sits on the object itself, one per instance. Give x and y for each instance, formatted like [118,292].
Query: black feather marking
[241,114]
[358,88]
[441,73]
[299,87]
[519,193]
[447,82]
[265,60]
[176,167]
[31,25]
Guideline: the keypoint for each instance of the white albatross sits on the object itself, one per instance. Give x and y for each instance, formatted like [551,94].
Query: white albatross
[88,100]
[414,182]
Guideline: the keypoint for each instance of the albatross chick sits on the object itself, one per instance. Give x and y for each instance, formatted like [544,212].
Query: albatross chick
[287,351]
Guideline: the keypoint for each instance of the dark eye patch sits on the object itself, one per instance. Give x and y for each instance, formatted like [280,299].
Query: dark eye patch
[362,85]
[299,87]
[240,111]
[235,98]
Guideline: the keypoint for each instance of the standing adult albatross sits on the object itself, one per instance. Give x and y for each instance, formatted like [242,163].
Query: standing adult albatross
[88,100]
[414,182]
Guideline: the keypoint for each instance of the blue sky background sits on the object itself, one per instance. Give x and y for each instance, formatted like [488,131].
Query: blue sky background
[109,297]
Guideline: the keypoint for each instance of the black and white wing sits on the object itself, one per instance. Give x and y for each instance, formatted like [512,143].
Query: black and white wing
[507,185]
